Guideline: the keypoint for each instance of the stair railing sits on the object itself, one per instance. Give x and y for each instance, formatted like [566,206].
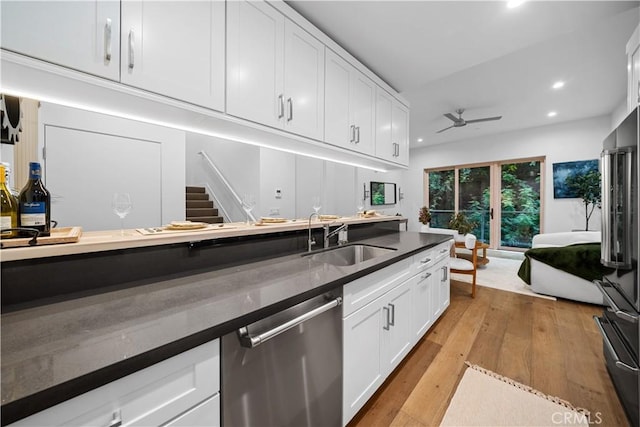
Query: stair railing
[227,186]
[223,212]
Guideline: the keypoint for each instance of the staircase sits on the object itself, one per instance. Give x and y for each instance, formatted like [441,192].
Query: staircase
[199,207]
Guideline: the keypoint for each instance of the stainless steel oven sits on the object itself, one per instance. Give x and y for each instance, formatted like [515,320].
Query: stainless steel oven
[620,240]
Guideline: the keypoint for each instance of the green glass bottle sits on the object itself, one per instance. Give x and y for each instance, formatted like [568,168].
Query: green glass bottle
[34,202]
[8,207]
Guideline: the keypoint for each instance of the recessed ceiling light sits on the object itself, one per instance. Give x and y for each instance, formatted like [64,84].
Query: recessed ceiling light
[420,139]
[557,85]
[511,4]
[552,114]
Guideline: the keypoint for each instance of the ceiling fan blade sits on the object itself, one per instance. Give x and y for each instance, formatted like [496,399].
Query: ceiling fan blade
[442,130]
[451,117]
[486,119]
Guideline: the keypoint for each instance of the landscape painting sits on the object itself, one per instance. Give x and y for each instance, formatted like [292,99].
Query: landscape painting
[562,171]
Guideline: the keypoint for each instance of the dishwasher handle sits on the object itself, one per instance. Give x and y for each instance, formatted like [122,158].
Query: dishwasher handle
[250,341]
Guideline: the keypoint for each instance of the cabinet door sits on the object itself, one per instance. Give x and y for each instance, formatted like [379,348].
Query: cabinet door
[362,111]
[82,35]
[398,337]
[400,132]
[206,414]
[337,92]
[422,313]
[175,48]
[384,105]
[362,367]
[634,89]
[255,62]
[304,82]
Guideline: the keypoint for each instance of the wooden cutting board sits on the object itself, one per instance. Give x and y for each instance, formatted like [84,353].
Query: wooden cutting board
[58,236]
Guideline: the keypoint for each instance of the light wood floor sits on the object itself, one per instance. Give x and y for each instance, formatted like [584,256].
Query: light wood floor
[552,346]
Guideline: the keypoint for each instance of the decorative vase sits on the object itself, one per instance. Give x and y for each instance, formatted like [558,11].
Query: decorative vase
[425,228]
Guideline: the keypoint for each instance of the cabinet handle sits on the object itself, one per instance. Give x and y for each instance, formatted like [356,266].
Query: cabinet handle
[280,106]
[445,273]
[117,419]
[107,40]
[425,276]
[397,149]
[424,261]
[290,104]
[352,133]
[386,327]
[393,314]
[357,134]
[132,42]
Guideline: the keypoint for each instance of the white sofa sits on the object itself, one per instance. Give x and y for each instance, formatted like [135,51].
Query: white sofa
[548,280]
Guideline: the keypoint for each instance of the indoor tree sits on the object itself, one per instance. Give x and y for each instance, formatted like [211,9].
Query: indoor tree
[587,187]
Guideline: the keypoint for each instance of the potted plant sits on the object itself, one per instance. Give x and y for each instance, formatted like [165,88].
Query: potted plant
[587,187]
[424,216]
[460,222]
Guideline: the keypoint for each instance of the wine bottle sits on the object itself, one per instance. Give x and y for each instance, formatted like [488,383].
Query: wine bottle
[35,202]
[8,207]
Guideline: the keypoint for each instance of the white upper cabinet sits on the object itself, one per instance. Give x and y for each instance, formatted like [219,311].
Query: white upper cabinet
[304,82]
[633,70]
[275,70]
[349,106]
[392,128]
[175,48]
[83,35]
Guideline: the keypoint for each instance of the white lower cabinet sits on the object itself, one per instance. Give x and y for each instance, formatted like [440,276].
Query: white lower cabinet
[378,332]
[180,391]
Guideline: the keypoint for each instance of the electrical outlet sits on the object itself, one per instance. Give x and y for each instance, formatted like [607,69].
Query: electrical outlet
[274,212]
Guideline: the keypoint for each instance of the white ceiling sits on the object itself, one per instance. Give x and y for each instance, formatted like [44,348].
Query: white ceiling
[487,58]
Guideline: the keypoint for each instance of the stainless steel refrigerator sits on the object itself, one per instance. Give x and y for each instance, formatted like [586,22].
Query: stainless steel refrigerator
[620,240]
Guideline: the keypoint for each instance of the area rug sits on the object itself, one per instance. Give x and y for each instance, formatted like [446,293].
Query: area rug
[484,398]
[501,273]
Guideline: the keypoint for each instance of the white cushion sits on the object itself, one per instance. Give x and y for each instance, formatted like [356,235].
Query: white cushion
[546,240]
[460,264]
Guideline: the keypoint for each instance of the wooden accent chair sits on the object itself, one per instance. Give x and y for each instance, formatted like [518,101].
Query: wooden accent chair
[464,266]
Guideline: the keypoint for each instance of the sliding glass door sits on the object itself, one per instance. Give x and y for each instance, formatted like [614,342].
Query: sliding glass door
[501,199]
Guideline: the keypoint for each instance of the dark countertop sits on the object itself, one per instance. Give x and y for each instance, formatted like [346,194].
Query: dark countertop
[53,352]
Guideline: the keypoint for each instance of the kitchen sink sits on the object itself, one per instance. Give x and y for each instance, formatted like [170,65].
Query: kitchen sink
[349,254]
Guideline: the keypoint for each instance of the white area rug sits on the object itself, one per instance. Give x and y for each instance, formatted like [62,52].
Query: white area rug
[501,273]
[484,398]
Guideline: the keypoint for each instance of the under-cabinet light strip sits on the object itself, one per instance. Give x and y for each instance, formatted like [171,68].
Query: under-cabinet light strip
[95,109]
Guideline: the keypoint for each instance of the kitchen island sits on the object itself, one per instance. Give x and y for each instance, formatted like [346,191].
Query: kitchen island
[191,289]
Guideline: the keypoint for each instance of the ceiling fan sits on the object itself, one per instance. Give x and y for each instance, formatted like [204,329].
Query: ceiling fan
[459,121]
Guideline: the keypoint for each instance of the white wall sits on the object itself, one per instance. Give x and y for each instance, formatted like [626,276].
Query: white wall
[277,171]
[570,141]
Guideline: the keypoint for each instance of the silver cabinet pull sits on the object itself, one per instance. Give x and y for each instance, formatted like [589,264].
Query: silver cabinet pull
[617,311]
[132,42]
[352,133]
[425,276]
[249,341]
[424,261]
[607,342]
[117,419]
[393,314]
[386,310]
[445,273]
[107,40]
[290,104]
[357,134]
[280,106]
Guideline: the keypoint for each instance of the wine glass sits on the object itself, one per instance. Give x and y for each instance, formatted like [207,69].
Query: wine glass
[248,203]
[121,205]
[359,206]
[315,200]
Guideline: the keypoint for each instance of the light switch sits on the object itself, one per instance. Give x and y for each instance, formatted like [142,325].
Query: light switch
[278,193]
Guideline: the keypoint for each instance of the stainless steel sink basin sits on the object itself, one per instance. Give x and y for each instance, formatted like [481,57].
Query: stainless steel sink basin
[349,254]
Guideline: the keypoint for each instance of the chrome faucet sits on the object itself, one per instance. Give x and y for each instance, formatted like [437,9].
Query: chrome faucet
[340,231]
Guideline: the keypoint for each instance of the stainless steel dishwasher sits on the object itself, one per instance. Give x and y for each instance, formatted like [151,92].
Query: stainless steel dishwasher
[286,369]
